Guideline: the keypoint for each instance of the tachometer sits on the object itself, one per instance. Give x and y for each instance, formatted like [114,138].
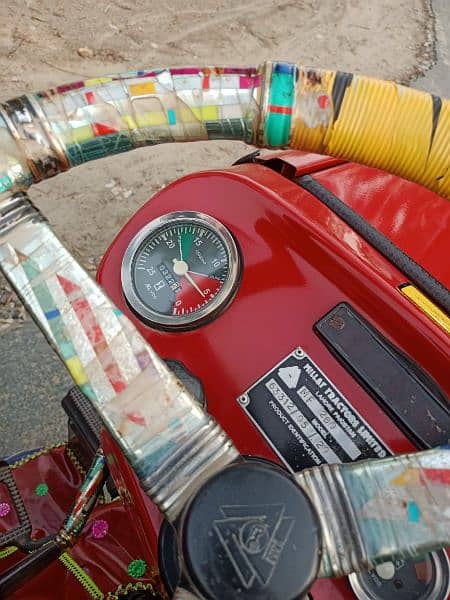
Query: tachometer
[181,270]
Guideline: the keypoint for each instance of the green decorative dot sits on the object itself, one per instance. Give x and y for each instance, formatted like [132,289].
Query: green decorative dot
[41,489]
[137,568]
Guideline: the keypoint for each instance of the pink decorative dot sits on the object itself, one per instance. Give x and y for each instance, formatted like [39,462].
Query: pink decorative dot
[5,509]
[99,528]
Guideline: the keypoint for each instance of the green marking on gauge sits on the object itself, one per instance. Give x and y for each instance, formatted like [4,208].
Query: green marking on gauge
[186,240]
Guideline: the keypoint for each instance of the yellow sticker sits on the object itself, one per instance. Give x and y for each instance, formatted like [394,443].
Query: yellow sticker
[97,80]
[206,113]
[142,89]
[427,306]
[151,118]
[76,370]
[81,134]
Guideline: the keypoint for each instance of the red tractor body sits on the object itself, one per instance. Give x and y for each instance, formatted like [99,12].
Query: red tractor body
[313,280]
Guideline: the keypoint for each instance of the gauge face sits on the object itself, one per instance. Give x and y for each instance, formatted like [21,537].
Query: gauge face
[181,270]
[427,578]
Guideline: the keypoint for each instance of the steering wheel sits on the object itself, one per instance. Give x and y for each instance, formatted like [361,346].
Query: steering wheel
[326,521]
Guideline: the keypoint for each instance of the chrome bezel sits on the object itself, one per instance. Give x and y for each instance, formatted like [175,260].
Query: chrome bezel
[439,584]
[205,313]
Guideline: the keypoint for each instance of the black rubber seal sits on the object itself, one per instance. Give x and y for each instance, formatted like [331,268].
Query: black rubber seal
[412,270]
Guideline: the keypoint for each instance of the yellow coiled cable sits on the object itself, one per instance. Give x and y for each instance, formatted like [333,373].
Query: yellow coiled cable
[377,123]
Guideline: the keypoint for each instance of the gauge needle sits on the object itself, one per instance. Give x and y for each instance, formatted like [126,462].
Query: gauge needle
[203,275]
[181,268]
[192,282]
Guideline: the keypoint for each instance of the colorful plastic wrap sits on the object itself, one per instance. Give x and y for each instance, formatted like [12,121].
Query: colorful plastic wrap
[145,407]
[85,498]
[371,511]
[377,123]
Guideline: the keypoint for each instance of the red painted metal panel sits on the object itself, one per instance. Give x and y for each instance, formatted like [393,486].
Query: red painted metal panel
[300,260]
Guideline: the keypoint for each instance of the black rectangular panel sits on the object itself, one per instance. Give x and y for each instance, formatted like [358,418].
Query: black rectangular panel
[403,390]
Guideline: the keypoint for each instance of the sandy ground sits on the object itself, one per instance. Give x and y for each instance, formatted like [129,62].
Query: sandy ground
[437,79]
[39,48]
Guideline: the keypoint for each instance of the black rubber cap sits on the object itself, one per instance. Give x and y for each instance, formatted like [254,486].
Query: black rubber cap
[190,381]
[251,533]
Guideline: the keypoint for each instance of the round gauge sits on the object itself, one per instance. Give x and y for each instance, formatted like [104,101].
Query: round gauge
[181,270]
[427,578]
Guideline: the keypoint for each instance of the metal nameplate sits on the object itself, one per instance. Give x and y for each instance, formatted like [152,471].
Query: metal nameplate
[305,419]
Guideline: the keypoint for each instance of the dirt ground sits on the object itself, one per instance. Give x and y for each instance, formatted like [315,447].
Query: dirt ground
[40,42]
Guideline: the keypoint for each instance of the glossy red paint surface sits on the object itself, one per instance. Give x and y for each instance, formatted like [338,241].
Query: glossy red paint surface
[55,470]
[300,260]
[415,219]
